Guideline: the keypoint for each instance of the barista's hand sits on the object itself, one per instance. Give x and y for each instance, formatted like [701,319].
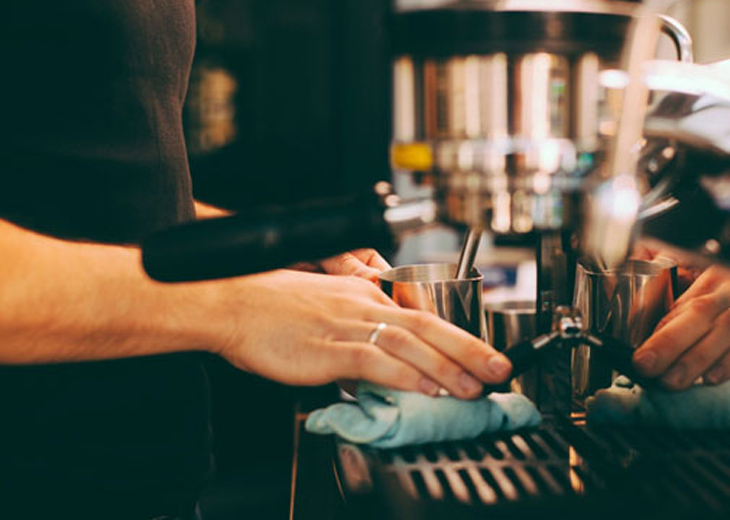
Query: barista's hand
[363,263]
[309,329]
[693,340]
[686,274]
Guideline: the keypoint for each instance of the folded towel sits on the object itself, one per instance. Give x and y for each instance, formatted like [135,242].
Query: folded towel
[700,407]
[388,418]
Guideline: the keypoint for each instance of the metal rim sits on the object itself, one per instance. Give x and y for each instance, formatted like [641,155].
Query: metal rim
[427,273]
[622,7]
[633,267]
[511,307]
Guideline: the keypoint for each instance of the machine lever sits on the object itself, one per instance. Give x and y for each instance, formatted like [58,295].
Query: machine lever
[613,351]
[524,356]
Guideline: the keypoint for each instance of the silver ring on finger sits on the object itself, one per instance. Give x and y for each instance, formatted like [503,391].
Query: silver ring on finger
[375,334]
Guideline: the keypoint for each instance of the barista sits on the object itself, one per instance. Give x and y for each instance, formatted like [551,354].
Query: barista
[103,399]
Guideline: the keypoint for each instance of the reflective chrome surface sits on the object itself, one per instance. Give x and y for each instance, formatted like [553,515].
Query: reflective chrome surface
[626,304]
[498,128]
[509,323]
[583,6]
[433,288]
[509,136]
[687,161]
[695,106]
[411,216]
[680,36]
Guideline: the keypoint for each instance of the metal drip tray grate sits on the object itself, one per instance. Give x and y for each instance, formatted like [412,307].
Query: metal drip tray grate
[568,470]
[678,473]
[487,471]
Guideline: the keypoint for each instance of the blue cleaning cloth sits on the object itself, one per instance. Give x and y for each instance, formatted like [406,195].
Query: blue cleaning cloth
[699,407]
[388,418]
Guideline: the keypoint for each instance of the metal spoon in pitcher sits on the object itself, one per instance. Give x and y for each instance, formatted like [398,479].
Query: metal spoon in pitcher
[468,253]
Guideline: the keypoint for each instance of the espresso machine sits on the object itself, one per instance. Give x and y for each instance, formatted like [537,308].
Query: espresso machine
[545,119]
[528,118]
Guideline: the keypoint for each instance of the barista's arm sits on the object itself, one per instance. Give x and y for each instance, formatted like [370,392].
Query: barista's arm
[693,340]
[65,301]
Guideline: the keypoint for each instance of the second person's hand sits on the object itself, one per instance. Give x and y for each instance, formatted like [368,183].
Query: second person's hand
[693,340]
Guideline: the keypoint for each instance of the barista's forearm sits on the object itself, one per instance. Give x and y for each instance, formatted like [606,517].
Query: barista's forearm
[64,301]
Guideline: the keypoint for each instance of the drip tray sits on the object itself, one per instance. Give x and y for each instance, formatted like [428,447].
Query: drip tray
[560,470]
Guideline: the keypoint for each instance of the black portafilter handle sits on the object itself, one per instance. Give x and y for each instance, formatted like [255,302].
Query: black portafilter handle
[524,356]
[266,239]
[611,351]
[618,355]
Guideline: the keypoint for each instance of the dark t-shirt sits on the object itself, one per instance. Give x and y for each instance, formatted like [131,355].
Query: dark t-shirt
[91,148]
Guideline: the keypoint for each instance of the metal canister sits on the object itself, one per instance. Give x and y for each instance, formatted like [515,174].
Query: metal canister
[509,323]
[626,304]
[434,288]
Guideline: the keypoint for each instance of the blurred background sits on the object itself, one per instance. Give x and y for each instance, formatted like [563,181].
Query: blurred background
[289,101]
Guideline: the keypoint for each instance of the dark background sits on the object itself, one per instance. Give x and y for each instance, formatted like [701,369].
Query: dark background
[310,114]
[289,100]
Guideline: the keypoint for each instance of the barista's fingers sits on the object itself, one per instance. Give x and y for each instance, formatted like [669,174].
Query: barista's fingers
[371,258]
[711,281]
[670,341]
[363,263]
[349,265]
[668,318]
[369,362]
[473,354]
[406,346]
[714,299]
[701,356]
[694,292]
[705,285]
